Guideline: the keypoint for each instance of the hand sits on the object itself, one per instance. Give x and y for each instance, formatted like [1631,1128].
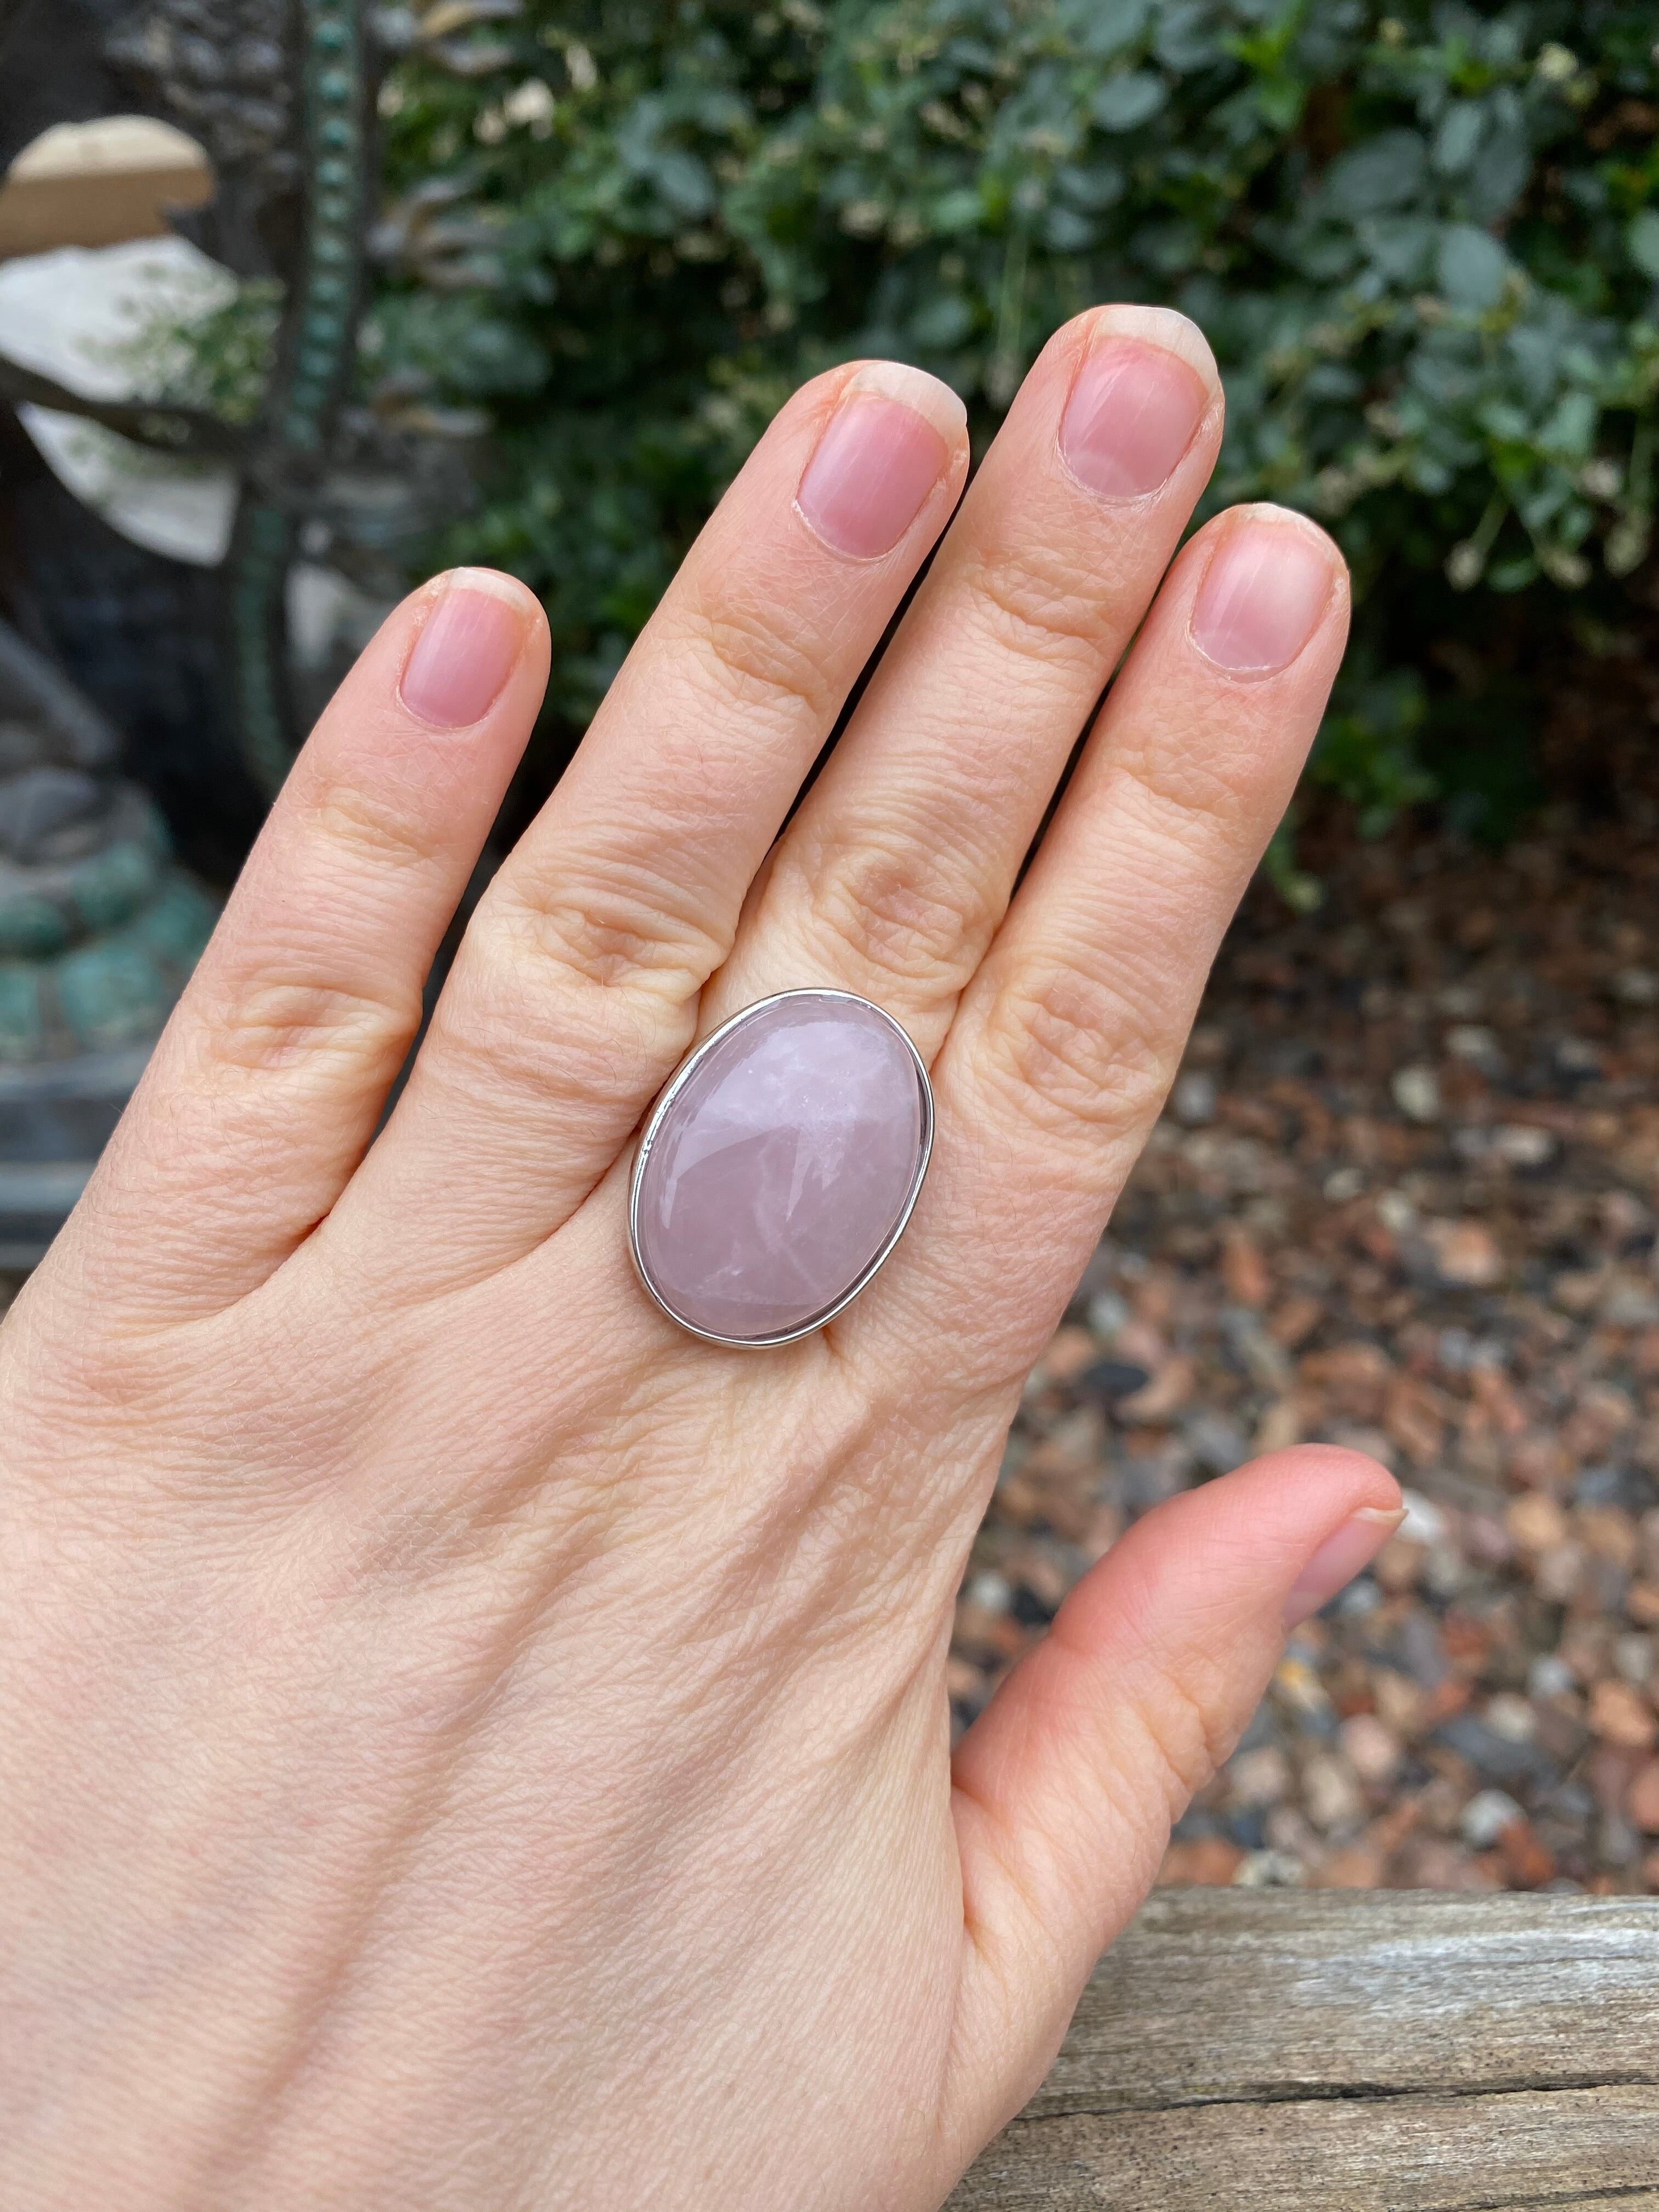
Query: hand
[465,1742]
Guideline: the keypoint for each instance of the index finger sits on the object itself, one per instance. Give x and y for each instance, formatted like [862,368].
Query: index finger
[269,1080]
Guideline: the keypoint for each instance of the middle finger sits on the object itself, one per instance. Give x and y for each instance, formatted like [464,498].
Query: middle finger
[894,875]
[576,986]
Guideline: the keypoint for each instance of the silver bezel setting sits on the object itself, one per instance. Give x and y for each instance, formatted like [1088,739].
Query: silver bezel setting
[672,1090]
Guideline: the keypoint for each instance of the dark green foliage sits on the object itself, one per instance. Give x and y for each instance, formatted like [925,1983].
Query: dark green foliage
[1424,241]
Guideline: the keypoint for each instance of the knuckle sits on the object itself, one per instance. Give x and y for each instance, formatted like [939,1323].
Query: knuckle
[1075,1052]
[593,1058]
[1036,605]
[750,658]
[367,827]
[94,1386]
[563,1004]
[606,932]
[277,1024]
[1187,796]
[1185,1742]
[924,922]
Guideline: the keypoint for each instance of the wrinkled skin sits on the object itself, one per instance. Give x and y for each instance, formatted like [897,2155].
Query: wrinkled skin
[463,1742]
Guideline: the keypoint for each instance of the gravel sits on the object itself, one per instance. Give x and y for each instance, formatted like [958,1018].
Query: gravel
[1405,1198]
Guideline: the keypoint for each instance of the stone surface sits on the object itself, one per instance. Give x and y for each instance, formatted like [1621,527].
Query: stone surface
[780,1167]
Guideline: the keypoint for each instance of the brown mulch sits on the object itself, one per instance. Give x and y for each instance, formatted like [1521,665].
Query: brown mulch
[1405,1198]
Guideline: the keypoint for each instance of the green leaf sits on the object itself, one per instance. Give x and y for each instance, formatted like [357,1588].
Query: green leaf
[1105,27]
[1471,268]
[1385,172]
[1642,240]
[1094,188]
[1514,574]
[1279,101]
[682,181]
[1123,103]
[1499,176]
[963,209]
[1570,429]
[1461,129]
[1400,244]
[943,321]
[1188,37]
[1066,231]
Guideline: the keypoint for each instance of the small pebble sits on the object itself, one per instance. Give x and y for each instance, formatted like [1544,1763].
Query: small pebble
[1108,1314]
[1558,1572]
[1620,1715]
[1511,1716]
[1194,1099]
[1258,1777]
[990,1591]
[1297,1684]
[1424,1522]
[1526,1861]
[1467,1253]
[1417,1093]
[1270,1870]
[1550,1676]
[1643,1802]
[1331,1792]
[1522,1146]
[1477,1046]
[1537,1522]
[1373,1750]
[1395,1210]
[1211,1861]
[1485,1818]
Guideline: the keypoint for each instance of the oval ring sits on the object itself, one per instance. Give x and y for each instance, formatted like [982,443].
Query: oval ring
[779,1167]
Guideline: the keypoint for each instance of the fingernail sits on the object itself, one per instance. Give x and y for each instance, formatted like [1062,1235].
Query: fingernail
[1144,388]
[886,445]
[1339,1558]
[1268,583]
[468,646]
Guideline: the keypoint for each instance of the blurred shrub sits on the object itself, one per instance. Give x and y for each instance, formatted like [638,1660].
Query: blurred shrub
[1424,242]
[215,356]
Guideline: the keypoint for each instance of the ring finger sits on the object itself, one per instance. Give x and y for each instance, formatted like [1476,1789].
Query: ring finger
[897,871]
[1067,1040]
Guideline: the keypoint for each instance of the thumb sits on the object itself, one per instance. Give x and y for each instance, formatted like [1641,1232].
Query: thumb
[1066,1788]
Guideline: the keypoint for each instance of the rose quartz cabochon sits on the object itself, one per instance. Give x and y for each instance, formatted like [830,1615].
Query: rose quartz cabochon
[780,1167]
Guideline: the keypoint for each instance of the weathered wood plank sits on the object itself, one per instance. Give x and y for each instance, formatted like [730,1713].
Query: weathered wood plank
[1571,2147]
[1339,2053]
[1248,1994]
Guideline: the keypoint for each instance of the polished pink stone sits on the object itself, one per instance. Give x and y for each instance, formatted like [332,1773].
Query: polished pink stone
[780,1167]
